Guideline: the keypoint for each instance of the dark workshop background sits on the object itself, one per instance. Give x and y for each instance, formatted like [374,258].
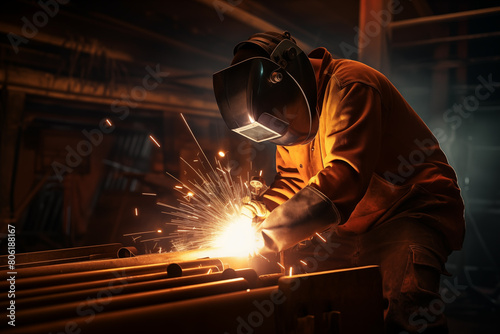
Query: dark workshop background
[68,178]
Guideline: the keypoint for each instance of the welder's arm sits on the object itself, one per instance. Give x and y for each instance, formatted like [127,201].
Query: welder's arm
[306,213]
[351,151]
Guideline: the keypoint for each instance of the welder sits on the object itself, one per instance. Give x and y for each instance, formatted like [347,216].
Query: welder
[355,165]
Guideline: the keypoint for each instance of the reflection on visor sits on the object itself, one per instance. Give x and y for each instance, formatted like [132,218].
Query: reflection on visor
[257,132]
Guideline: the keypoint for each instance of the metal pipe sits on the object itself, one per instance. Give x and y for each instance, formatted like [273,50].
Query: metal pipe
[33,282]
[49,290]
[108,300]
[99,283]
[215,314]
[446,39]
[166,258]
[445,17]
[24,260]
[124,286]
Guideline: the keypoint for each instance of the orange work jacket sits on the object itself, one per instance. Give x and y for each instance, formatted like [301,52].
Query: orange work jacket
[373,156]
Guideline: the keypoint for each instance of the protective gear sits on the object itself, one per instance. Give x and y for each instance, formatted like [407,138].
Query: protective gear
[307,212]
[373,156]
[254,209]
[269,98]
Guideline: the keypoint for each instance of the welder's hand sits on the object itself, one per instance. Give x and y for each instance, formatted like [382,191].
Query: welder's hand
[305,213]
[254,209]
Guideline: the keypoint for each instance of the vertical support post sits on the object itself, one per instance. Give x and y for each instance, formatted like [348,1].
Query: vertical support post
[11,117]
[374,19]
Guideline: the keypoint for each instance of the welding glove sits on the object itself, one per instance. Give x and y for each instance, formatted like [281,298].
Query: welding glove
[254,209]
[307,212]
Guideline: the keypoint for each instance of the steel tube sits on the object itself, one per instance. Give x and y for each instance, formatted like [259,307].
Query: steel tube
[124,287]
[34,282]
[106,301]
[192,257]
[445,17]
[247,311]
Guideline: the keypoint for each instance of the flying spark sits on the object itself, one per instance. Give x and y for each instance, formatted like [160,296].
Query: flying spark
[319,236]
[208,214]
[154,140]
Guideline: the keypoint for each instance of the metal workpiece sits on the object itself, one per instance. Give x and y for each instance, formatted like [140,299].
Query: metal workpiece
[59,256]
[112,300]
[207,296]
[35,282]
[202,266]
[346,299]
[195,257]
[249,311]
[123,287]
[101,283]
[113,272]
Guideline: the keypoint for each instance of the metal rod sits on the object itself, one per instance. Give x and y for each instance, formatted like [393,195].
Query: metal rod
[106,300]
[445,17]
[33,282]
[214,314]
[195,257]
[122,287]
[446,39]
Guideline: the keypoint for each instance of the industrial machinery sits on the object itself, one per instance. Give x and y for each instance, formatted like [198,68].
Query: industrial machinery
[109,289]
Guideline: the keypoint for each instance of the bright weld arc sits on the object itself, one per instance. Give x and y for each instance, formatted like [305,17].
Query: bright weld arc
[212,218]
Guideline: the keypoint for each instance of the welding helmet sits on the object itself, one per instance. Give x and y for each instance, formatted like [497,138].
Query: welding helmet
[269,92]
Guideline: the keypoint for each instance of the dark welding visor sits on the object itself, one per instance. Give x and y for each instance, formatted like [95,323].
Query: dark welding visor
[260,100]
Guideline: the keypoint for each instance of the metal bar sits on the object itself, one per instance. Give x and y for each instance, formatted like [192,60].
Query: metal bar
[124,286]
[110,300]
[46,257]
[447,39]
[373,51]
[33,282]
[445,17]
[49,290]
[214,314]
[231,9]
[47,85]
[164,258]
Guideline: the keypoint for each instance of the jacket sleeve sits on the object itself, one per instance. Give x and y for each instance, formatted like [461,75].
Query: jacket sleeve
[352,125]
[287,181]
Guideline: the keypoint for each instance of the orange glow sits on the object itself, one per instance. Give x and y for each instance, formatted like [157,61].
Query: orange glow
[136,211]
[222,154]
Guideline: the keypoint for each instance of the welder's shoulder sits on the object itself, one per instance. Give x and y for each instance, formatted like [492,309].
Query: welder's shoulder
[346,72]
